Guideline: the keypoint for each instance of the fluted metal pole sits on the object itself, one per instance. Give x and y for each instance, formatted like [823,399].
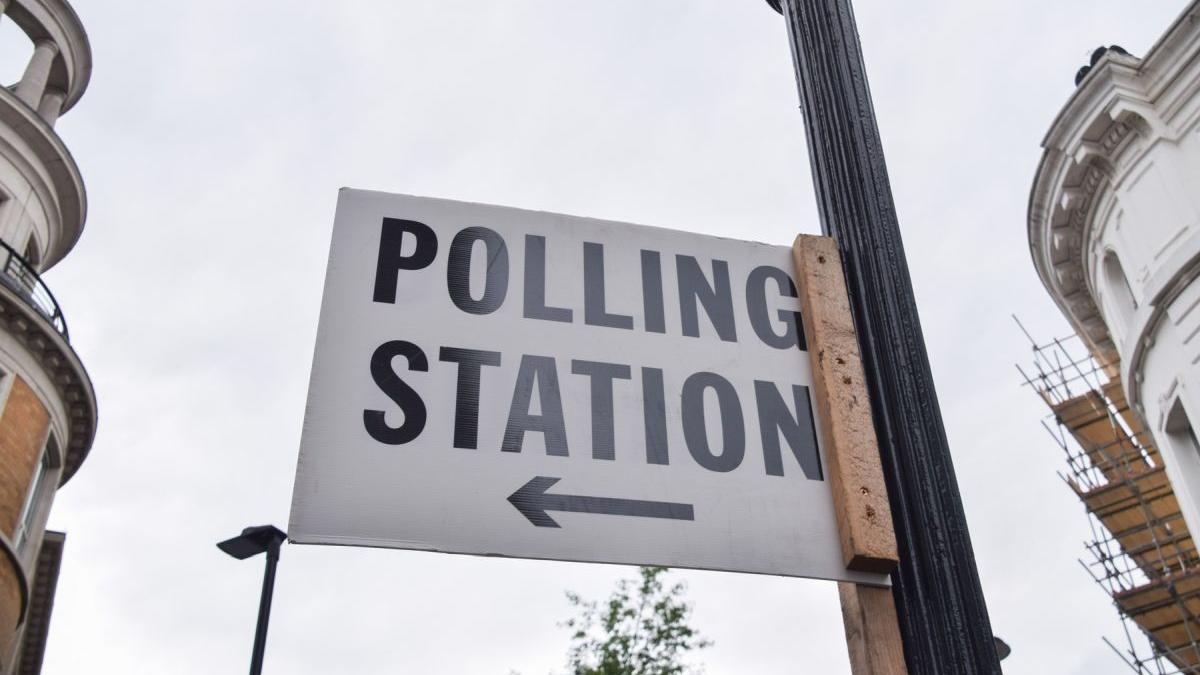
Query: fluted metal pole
[943,617]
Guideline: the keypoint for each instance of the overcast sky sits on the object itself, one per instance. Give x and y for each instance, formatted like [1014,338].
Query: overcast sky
[212,141]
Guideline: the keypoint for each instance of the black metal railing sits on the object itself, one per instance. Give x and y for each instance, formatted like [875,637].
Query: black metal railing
[20,277]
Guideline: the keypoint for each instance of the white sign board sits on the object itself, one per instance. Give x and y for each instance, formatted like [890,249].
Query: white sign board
[495,381]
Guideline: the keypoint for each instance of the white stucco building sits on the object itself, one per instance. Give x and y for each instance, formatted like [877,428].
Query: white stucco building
[1114,228]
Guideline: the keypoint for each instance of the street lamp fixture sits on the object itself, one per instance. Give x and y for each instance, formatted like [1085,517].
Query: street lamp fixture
[252,541]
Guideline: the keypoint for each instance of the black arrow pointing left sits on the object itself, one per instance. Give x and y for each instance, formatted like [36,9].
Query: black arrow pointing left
[533,503]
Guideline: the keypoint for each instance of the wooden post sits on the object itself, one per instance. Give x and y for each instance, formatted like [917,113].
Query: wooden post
[872,630]
[852,454]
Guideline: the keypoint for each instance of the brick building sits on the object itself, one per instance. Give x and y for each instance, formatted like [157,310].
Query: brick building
[47,406]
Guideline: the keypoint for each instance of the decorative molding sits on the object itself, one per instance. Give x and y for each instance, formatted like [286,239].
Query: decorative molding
[1150,314]
[1164,401]
[49,159]
[1085,159]
[41,603]
[62,365]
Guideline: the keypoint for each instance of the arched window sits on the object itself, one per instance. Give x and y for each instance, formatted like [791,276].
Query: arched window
[33,256]
[1180,431]
[1120,295]
[1181,437]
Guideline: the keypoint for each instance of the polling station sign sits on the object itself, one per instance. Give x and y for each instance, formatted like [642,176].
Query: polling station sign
[496,381]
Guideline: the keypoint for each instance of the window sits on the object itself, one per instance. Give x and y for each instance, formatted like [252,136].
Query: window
[1119,293]
[1185,449]
[38,487]
[1180,431]
[32,254]
[5,388]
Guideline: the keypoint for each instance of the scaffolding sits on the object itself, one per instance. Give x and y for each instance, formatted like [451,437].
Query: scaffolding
[1141,552]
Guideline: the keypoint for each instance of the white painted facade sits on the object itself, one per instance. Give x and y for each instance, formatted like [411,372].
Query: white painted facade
[1114,230]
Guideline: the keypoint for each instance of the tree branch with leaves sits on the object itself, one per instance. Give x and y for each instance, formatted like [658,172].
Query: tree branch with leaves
[642,629]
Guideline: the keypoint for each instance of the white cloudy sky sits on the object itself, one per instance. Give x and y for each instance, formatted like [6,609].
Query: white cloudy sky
[213,140]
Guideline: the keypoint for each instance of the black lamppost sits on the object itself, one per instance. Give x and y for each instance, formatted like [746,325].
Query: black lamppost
[252,541]
[943,618]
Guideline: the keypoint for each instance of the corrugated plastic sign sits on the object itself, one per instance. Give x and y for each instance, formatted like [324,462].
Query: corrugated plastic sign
[495,381]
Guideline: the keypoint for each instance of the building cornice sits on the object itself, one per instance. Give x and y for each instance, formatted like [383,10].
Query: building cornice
[41,603]
[1120,100]
[60,362]
[52,171]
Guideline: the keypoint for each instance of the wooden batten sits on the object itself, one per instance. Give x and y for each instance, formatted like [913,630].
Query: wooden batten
[848,429]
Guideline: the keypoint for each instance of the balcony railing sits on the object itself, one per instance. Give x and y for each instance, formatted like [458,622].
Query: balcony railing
[20,278]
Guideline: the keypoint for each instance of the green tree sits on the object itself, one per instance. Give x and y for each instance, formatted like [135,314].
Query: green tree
[642,629]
